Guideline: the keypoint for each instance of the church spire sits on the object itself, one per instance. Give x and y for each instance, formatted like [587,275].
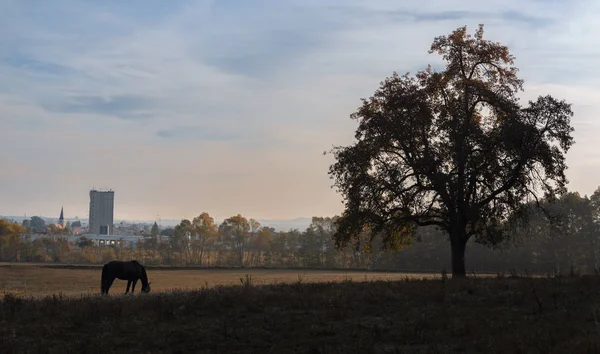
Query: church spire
[61,219]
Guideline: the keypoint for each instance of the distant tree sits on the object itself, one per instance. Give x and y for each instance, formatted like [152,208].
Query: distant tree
[204,235]
[165,250]
[180,241]
[167,232]
[76,223]
[311,248]
[563,234]
[325,227]
[577,228]
[55,248]
[595,210]
[37,224]
[85,242]
[235,232]
[253,251]
[10,234]
[453,149]
[151,241]
[283,249]
[26,248]
[260,243]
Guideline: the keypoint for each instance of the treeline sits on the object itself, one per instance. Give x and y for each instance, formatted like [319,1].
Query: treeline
[560,238]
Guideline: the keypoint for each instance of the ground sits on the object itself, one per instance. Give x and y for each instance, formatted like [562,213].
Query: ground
[475,315]
[42,279]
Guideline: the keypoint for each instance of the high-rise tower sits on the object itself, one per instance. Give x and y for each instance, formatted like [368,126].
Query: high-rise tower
[101,212]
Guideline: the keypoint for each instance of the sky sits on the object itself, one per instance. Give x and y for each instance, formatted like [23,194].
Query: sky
[226,106]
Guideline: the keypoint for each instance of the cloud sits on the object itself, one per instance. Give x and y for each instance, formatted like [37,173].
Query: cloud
[259,39]
[25,64]
[526,19]
[226,106]
[199,133]
[416,16]
[259,55]
[124,106]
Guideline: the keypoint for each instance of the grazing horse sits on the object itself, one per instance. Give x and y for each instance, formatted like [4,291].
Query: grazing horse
[131,271]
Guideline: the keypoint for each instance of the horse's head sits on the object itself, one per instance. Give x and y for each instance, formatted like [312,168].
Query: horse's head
[146,289]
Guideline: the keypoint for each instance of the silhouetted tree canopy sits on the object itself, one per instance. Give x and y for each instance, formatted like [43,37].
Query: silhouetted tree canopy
[453,149]
[37,223]
[154,230]
[84,242]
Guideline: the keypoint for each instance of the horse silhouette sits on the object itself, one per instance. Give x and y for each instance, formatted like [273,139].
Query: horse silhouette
[131,271]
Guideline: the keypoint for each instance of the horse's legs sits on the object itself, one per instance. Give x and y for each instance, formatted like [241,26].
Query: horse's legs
[107,284]
[133,288]
[104,286]
[128,284]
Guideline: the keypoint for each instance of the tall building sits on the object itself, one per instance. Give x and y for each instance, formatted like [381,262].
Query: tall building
[101,212]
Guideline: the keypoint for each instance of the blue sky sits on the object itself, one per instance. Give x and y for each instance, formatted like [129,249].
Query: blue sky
[226,106]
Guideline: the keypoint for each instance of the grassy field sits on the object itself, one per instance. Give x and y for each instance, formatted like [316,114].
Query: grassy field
[482,315]
[42,280]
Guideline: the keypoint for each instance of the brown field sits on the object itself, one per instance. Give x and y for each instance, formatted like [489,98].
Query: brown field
[41,280]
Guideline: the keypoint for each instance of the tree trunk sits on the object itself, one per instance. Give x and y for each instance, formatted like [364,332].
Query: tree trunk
[458,245]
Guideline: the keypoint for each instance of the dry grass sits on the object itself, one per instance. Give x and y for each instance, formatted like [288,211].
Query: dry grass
[41,280]
[509,315]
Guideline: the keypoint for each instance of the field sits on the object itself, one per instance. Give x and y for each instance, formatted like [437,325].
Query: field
[42,280]
[337,313]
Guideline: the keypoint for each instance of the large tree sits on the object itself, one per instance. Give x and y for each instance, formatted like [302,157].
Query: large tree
[451,148]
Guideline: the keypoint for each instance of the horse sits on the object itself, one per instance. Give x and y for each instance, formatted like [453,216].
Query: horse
[131,271]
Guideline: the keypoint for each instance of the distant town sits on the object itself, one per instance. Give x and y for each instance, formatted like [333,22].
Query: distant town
[102,229]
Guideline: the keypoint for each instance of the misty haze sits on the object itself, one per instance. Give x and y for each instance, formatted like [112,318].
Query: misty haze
[299,176]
